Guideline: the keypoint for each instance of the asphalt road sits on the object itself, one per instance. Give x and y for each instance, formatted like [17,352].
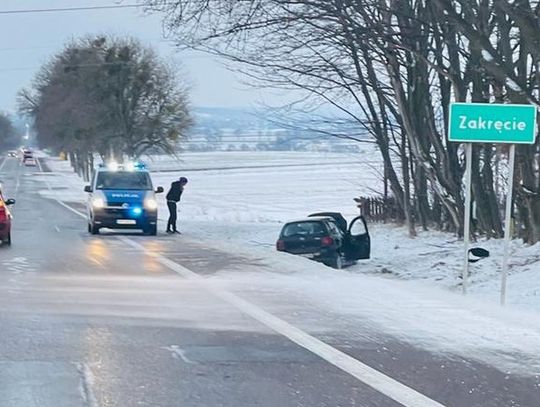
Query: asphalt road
[127,320]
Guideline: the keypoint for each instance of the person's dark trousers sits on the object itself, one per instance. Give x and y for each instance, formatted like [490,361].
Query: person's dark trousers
[171,224]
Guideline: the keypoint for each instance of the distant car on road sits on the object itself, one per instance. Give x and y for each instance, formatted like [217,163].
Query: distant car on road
[26,154]
[12,153]
[328,238]
[5,220]
[122,197]
[30,162]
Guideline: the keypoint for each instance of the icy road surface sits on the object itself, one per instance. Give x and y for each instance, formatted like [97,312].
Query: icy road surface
[129,320]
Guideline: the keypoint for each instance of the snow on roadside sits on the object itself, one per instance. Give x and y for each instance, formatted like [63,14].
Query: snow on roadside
[243,211]
[411,311]
[64,184]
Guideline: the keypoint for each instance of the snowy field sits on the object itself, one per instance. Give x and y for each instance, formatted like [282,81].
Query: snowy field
[239,201]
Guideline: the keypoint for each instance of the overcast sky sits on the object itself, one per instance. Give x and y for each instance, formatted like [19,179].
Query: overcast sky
[28,40]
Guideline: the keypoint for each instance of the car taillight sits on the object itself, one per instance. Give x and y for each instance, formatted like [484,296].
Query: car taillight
[3,213]
[327,241]
[280,245]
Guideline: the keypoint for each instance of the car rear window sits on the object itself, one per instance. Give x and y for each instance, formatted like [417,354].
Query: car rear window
[309,228]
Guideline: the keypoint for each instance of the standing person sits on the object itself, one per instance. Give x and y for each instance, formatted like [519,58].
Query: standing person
[173,197]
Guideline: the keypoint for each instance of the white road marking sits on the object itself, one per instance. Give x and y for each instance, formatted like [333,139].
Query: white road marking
[86,385]
[178,352]
[373,378]
[17,184]
[69,208]
[3,163]
[384,384]
[57,228]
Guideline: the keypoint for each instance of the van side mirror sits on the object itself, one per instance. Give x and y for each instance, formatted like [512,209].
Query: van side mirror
[10,202]
[159,190]
[88,188]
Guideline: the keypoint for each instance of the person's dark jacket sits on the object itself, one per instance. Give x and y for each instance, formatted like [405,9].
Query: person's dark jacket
[175,192]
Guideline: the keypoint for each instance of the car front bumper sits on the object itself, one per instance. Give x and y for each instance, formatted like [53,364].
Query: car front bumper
[120,218]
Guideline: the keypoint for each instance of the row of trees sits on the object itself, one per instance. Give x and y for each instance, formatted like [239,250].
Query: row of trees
[394,66]
[8,133]
[106,96]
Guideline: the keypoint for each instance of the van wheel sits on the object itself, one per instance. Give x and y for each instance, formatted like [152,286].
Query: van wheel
[93,229]
[337,262]
[150,230]
[7,242]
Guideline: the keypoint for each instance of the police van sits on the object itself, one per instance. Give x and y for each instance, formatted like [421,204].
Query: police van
[122,197]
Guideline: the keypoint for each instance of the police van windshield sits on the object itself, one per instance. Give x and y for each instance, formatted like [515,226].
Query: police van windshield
[124,180]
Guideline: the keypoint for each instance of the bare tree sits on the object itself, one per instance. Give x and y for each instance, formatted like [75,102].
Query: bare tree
[504,36]
[108,96]
[8,134]
[394,67]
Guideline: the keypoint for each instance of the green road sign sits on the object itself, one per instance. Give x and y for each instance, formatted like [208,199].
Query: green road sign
[492,123]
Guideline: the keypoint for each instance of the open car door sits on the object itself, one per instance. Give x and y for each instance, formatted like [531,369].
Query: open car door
[359,242]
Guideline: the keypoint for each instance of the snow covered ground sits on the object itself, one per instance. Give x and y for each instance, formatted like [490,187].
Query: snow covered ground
[239,200]
[405,289]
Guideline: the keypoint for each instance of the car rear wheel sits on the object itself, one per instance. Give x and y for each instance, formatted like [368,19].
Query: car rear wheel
[337,262]
[7,240]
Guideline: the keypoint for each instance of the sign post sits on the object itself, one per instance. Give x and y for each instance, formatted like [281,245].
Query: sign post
[491,123]
[508,221]
[467,220]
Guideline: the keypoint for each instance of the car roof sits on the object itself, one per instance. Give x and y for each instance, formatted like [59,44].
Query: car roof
[312,219]
[337,217]
[105,169]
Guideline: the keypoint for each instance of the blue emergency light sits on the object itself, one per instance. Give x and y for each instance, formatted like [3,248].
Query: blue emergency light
[136,211]
[130,166]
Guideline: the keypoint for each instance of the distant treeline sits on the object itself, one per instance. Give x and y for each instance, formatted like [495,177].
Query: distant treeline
[9,137]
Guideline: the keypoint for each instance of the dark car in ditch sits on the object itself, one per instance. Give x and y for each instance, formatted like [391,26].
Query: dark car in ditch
[327,237]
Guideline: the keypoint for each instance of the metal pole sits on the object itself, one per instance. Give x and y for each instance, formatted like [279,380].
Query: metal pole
[467,220]
[508,222]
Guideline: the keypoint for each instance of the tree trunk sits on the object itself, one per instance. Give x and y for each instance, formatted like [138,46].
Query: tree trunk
[408,208]
[421,195]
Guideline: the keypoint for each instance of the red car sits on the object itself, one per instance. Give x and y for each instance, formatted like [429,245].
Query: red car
[5,220]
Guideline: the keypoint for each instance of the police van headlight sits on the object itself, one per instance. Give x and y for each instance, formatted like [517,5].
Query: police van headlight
[150,204]
[98,203]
